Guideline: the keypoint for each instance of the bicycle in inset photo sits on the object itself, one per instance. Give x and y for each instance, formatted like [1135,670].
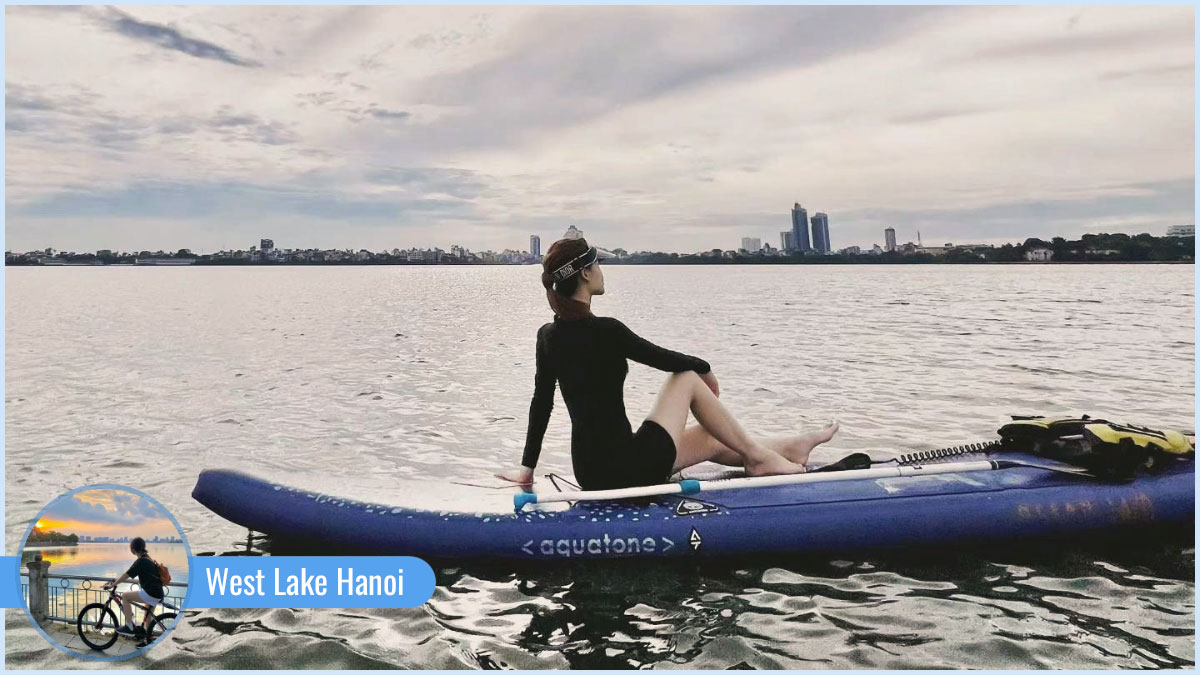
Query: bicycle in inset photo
[97,623]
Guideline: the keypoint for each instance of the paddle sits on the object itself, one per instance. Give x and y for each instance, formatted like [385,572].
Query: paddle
[691,487]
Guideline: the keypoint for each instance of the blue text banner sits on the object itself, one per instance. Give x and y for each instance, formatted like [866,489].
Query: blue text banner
[308,581]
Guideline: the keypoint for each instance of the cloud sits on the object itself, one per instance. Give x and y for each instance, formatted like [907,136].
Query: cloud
[1177,70]
[245,127]
[168,38]
[676,128]
[449,39]
[935,114]
[1070,43]
[25,98]
[454,182]
[57,116]
[115,132]
[17,98]
[573,64]
[200,200]
[396,115]
[108,507]
[68,114]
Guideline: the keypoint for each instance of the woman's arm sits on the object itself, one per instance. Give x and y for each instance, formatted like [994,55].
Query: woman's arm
[117,582]
[644,351]
[541,405]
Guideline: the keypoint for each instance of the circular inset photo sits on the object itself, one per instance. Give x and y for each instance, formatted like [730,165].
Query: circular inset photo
[104,572]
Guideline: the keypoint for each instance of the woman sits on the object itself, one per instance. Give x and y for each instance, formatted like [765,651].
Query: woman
[150,592]
[587,355]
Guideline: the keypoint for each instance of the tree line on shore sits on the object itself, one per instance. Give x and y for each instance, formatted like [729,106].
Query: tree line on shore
[1089,248]
[52,537]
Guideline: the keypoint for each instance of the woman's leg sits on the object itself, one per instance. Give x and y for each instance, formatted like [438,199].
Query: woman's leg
[697,443]
[686,391]
[127,599]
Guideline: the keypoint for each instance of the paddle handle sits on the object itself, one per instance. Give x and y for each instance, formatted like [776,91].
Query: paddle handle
[686,487]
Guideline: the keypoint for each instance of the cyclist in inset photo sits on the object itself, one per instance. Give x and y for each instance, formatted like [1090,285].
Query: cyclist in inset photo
[150,583]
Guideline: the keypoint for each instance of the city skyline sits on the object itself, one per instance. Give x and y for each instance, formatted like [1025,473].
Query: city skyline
[156,127]
[884,243]
[266,252]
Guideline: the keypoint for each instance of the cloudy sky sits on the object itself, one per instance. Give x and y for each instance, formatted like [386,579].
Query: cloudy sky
[650,128]
[106,513]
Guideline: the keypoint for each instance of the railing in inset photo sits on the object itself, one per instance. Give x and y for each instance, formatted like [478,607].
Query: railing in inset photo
[60,597]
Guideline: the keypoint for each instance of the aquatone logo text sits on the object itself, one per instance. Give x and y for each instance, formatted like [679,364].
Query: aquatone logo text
[605,545]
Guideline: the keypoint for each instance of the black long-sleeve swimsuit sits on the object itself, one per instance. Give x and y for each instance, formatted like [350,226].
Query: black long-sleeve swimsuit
[587,356]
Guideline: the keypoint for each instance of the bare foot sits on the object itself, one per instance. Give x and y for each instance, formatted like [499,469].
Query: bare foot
[801,446]
[772,464]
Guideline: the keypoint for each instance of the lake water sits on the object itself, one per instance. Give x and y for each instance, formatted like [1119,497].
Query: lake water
[106,560]
[388,383]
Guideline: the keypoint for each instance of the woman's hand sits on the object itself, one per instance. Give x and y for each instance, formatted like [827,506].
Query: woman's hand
[711,381]
[522,476]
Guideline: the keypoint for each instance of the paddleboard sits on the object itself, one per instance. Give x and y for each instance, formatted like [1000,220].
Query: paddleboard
[844,515]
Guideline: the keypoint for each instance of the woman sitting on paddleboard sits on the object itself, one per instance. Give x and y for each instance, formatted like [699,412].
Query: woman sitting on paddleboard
[587,355]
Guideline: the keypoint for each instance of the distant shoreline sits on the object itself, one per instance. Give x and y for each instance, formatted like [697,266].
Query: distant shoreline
[785,261]
[1090,248]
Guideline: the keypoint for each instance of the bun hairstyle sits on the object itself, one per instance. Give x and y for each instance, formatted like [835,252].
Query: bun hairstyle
[559,294]
[138,545]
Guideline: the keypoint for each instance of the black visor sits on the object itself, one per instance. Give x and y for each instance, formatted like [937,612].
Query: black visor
[590,256]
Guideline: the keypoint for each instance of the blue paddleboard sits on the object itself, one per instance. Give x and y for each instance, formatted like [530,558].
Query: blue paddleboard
[845,515]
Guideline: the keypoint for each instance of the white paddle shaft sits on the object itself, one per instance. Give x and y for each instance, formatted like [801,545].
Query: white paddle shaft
[688,487]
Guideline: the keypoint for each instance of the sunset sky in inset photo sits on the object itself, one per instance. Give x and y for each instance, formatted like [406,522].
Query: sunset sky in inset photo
[105,512]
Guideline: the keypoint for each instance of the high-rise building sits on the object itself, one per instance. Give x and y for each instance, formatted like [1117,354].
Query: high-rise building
[573,233]
[820,230]
[889,239]
[266,245]
[800,228]
[535,245]
[752,244]
[785,240]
